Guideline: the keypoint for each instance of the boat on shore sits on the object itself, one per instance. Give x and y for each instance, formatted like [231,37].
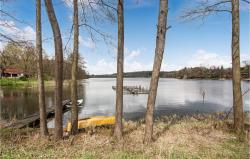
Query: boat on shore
[93,122]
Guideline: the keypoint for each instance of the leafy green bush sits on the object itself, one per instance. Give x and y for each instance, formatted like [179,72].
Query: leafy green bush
[23,78]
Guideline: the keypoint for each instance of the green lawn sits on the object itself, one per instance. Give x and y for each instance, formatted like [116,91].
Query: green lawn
[32,82]
[16,82]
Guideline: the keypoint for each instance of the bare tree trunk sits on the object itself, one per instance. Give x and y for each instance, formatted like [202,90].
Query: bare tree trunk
[159,50]
[237,97]
[74,111]
[42,107]
[119,78]
[58,68]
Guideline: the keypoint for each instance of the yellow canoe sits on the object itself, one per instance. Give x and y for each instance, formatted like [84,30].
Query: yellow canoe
[93,121]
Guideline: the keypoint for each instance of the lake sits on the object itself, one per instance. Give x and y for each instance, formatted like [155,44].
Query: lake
[174,96]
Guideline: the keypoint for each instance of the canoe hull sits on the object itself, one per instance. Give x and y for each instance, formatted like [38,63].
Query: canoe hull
[93,122]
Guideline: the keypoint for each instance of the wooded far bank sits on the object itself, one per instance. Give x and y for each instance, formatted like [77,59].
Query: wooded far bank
[186,73]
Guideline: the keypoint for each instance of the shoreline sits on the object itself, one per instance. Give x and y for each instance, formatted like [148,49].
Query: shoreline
[212,79]
[17,83]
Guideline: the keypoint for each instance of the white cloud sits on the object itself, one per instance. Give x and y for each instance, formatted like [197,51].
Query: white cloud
[129,54]
[131,63]
[133,54]
[169,67]
[200,58]
[208,59]
[108,67]
[87,42]
[28,33]
[136,66]
[102,67]
[10,29]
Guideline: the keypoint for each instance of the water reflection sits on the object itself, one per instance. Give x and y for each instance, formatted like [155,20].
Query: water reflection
[20,103]
[173,96]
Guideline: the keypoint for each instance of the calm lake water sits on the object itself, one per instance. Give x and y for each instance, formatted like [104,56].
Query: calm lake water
[174,96]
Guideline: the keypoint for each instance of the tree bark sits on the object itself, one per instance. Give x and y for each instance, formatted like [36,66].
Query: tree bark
[58,68]
[74,111]
[237,97]
[119,78]
[42,107]
[159,50]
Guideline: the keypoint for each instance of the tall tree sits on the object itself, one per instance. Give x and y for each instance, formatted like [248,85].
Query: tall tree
[237,100]
[74,111]
[58,68]
[159,50]
[28,59]
[42,107]
[230,6]
[119,78]
[23,57]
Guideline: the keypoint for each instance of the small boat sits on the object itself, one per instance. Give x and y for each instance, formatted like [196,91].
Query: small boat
[93,121]
[79,103]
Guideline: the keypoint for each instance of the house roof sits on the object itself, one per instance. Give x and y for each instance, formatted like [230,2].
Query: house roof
[12,70]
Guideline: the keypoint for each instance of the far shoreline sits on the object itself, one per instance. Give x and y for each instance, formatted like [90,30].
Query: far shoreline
[17,83]
[212,79]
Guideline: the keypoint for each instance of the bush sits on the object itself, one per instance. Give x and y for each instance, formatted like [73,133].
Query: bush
[23,78]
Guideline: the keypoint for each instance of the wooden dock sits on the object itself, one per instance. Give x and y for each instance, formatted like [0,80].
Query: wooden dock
[33,120]
[135,90]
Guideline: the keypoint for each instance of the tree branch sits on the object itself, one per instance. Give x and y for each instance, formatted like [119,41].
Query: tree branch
[205,9]
[246,1]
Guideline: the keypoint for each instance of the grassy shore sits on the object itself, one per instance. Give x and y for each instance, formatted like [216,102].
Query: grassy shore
[19,83]
[175,137]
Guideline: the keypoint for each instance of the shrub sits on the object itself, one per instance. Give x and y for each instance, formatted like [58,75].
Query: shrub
[23,78]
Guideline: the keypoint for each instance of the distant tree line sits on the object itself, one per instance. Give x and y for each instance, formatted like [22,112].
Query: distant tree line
[24,57]
[205,73]
[187,73]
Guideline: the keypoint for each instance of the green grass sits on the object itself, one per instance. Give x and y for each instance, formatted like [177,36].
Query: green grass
[235,149]
[20,83]
[16,82]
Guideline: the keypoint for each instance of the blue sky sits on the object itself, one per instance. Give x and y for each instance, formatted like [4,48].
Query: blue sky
[188,44]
